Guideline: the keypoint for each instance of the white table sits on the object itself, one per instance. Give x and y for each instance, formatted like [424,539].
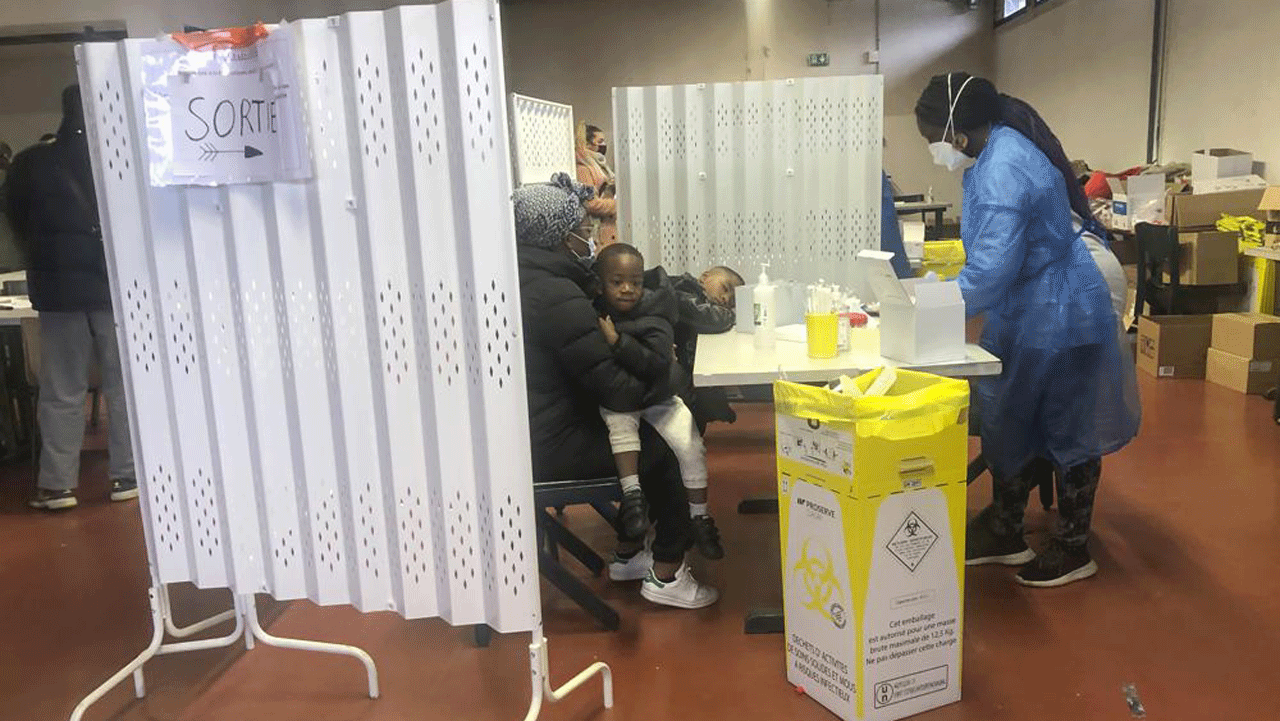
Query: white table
[14,316]
[732,359]
[1268,253]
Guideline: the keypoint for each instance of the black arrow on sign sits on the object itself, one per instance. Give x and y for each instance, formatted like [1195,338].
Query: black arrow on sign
[209,151]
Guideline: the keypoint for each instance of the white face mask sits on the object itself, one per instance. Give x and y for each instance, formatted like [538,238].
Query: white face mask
[591,246]
[946,155]
[943,152]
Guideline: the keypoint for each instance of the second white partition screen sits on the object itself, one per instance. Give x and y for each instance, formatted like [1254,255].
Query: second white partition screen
[785,172]
[542,139]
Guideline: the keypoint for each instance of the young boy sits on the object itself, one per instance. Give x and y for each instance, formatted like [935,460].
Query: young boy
[639,315]
[705,305]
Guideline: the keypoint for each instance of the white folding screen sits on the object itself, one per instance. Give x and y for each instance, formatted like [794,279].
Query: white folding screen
[326,377]
[785,172]
[542,139]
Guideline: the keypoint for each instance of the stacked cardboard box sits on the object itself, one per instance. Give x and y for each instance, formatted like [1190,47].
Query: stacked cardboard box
[1245,352]
[1209,257]
[1174,346]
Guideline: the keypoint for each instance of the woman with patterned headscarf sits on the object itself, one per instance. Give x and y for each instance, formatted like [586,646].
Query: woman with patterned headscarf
[572,373]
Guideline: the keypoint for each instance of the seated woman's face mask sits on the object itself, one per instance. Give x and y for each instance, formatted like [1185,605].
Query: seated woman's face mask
[945,153]
[591,247]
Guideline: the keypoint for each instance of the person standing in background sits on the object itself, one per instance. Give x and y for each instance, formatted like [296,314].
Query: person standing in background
[10,258]
[594,172]
[54,214]
[891,230]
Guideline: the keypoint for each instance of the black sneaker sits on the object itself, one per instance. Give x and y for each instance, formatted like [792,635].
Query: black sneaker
[633,514]
[1057,565]
[47,500]
[124,489]
[983,546]
[707,538]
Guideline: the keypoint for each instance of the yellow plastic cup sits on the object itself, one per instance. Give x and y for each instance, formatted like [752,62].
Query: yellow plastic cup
[822,333]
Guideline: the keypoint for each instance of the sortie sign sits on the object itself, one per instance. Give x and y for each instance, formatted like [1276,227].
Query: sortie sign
[225,116]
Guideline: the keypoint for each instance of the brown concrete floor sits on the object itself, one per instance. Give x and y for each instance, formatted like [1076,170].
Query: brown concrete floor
[1186,607]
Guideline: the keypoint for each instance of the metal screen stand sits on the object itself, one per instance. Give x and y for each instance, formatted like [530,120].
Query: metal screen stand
[247,626]
[540,677]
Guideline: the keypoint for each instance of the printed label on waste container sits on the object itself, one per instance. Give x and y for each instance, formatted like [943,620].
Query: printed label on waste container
[816,445]
[905,688]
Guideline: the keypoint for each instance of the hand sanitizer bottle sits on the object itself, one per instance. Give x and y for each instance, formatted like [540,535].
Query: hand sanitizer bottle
[764,307]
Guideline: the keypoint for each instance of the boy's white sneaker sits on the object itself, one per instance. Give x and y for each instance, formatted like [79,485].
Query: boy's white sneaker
[683,592]
[631,569]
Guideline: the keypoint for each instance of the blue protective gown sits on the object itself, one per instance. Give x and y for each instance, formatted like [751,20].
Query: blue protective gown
[1066,392]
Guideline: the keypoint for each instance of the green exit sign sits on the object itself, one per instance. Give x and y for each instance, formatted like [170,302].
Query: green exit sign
[819,60]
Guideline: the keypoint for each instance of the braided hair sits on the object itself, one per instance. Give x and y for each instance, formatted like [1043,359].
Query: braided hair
[980,105]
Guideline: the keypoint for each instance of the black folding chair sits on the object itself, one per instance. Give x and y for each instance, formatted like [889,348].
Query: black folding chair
[1158,253]
[599,493]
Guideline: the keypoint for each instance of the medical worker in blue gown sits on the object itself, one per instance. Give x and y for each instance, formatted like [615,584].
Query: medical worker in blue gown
[1067,392]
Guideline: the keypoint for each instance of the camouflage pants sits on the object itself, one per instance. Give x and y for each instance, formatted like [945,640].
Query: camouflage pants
[1076,488]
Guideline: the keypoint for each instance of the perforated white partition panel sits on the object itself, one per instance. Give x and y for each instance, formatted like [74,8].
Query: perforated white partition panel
[326,377]
[785,172]
[542,139]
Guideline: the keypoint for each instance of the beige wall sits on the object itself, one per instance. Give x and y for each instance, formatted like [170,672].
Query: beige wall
[1220,60]
[575,52]
[1220,80]
[1086,67]
[32,78]
[141,17]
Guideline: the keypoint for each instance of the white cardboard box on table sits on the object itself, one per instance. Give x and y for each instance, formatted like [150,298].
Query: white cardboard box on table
[920,321]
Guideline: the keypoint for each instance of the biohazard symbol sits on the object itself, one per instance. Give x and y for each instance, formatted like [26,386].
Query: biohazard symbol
[913,526]
[821,585]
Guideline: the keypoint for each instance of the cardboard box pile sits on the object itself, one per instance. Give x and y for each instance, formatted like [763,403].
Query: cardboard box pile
[1174,346]
[1208,258]
[1193,212]
[1245,352]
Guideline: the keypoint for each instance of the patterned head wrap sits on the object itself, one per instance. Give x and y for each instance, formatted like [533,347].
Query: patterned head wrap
[545,213]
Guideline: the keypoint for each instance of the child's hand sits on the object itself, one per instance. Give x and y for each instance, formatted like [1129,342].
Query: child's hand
[610,333]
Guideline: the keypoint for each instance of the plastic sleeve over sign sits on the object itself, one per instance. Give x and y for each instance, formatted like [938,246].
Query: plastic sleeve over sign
[226,115]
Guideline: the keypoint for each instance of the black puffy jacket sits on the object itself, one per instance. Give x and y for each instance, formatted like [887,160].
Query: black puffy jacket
[698,316]
[646,337]
[571,371]
[51,206]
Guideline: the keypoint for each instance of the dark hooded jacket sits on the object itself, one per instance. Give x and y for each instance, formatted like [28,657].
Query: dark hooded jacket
[646,343]
[54,216]
[571,370]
